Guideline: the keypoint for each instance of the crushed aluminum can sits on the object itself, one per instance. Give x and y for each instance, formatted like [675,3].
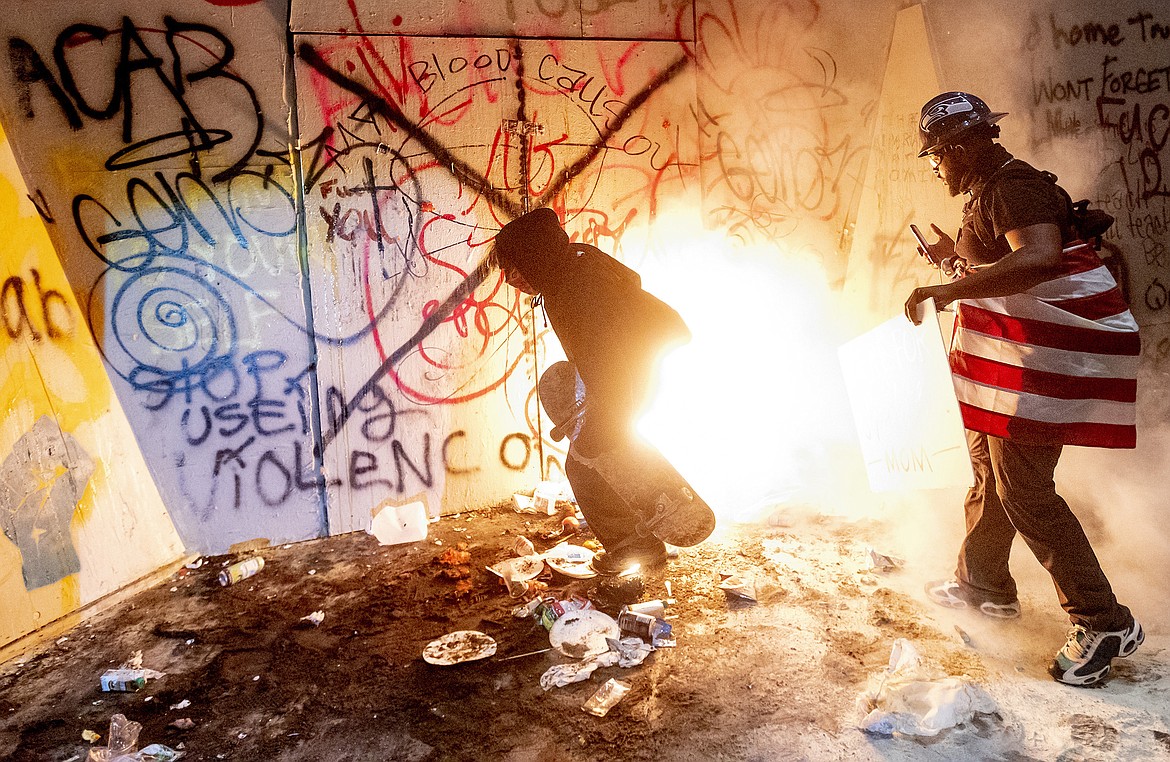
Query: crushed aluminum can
[647,627]
[239,571]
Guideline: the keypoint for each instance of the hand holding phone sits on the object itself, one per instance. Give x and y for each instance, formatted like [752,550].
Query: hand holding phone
[921,239]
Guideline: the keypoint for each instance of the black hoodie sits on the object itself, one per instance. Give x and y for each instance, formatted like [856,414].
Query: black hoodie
[610,328]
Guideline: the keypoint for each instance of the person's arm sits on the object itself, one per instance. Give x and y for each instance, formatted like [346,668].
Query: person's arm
[1034,255]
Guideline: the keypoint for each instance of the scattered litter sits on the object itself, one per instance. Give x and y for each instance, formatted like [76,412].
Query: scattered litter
[523,547]
[523,503]
[315,619]
[649,628]
[738,588]
[560,675]
[123,680]
[571,560]
[62,639]
[625,653]
[606,697]
[312,572]
[90,737]
[520,569]
[183,723]
[397,524]
[669,594]
[458,647]
[198,562]
[526,610]
[907,697]
[963,634]
[156,752]
[455,563]
[240,571]
[256,678]
[134,662]
[653,608]
[884,563]
[551,609]
[123,740]
[630,651]
[454,557]
[579,634]
[181,705]
[570,525]
[544,498]
[521,656]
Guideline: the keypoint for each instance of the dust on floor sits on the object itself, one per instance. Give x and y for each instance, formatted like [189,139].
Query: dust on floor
[774,680]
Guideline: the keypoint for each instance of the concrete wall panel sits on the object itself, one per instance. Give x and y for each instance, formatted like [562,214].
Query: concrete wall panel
[157,138]
[422,149]
[79,513]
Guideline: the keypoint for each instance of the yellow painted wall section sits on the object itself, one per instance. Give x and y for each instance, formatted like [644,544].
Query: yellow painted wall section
[80,514]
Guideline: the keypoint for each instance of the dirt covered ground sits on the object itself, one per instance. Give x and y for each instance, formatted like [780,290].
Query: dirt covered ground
[775,680]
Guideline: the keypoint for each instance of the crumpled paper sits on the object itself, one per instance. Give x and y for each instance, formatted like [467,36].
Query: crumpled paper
[911,698]
[883,563]
[739,588]
[625,653]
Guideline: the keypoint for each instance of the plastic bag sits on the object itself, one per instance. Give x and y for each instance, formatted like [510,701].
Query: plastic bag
[124,744]
[606,697]
[907,697]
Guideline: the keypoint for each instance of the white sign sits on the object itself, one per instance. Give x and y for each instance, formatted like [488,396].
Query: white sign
[899,385]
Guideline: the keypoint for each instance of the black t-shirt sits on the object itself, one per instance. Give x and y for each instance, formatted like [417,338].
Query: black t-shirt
[1016,196]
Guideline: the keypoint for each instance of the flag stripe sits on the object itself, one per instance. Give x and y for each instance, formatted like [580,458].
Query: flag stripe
[1080,364]
[1038,432]
[1094,306]
[1040,408]
[1031,381]
[1030,331]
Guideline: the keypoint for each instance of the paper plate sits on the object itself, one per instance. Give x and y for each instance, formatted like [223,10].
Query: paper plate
[458,647]
[571,560]
[582,633]
[523,567]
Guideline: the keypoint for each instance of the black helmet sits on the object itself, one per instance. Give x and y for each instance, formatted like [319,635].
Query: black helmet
[945,117]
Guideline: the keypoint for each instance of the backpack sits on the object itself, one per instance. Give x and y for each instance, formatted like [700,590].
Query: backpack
[1090,224]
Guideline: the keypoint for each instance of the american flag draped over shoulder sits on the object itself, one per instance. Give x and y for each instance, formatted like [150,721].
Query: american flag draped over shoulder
[1056,364]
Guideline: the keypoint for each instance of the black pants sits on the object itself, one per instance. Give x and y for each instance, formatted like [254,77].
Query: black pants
[1015,492]
[612,520]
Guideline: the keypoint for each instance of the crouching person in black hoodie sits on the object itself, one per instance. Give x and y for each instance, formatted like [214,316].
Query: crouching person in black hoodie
[613,333]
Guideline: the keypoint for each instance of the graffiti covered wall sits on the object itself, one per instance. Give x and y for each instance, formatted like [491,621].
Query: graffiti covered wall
[79,512]
[160,150]
[275,217]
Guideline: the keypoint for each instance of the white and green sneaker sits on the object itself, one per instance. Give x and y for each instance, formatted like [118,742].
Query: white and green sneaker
[1086,655]
[949,593]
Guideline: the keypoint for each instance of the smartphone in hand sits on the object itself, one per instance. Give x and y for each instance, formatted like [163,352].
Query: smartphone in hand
[921,239]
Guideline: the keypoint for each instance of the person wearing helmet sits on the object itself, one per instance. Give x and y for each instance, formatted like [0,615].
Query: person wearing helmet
[1044,355]
[613,332]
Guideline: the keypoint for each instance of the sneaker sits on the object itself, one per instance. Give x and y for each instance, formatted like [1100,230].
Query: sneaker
[949,593]
[1086,655]
[616,564]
